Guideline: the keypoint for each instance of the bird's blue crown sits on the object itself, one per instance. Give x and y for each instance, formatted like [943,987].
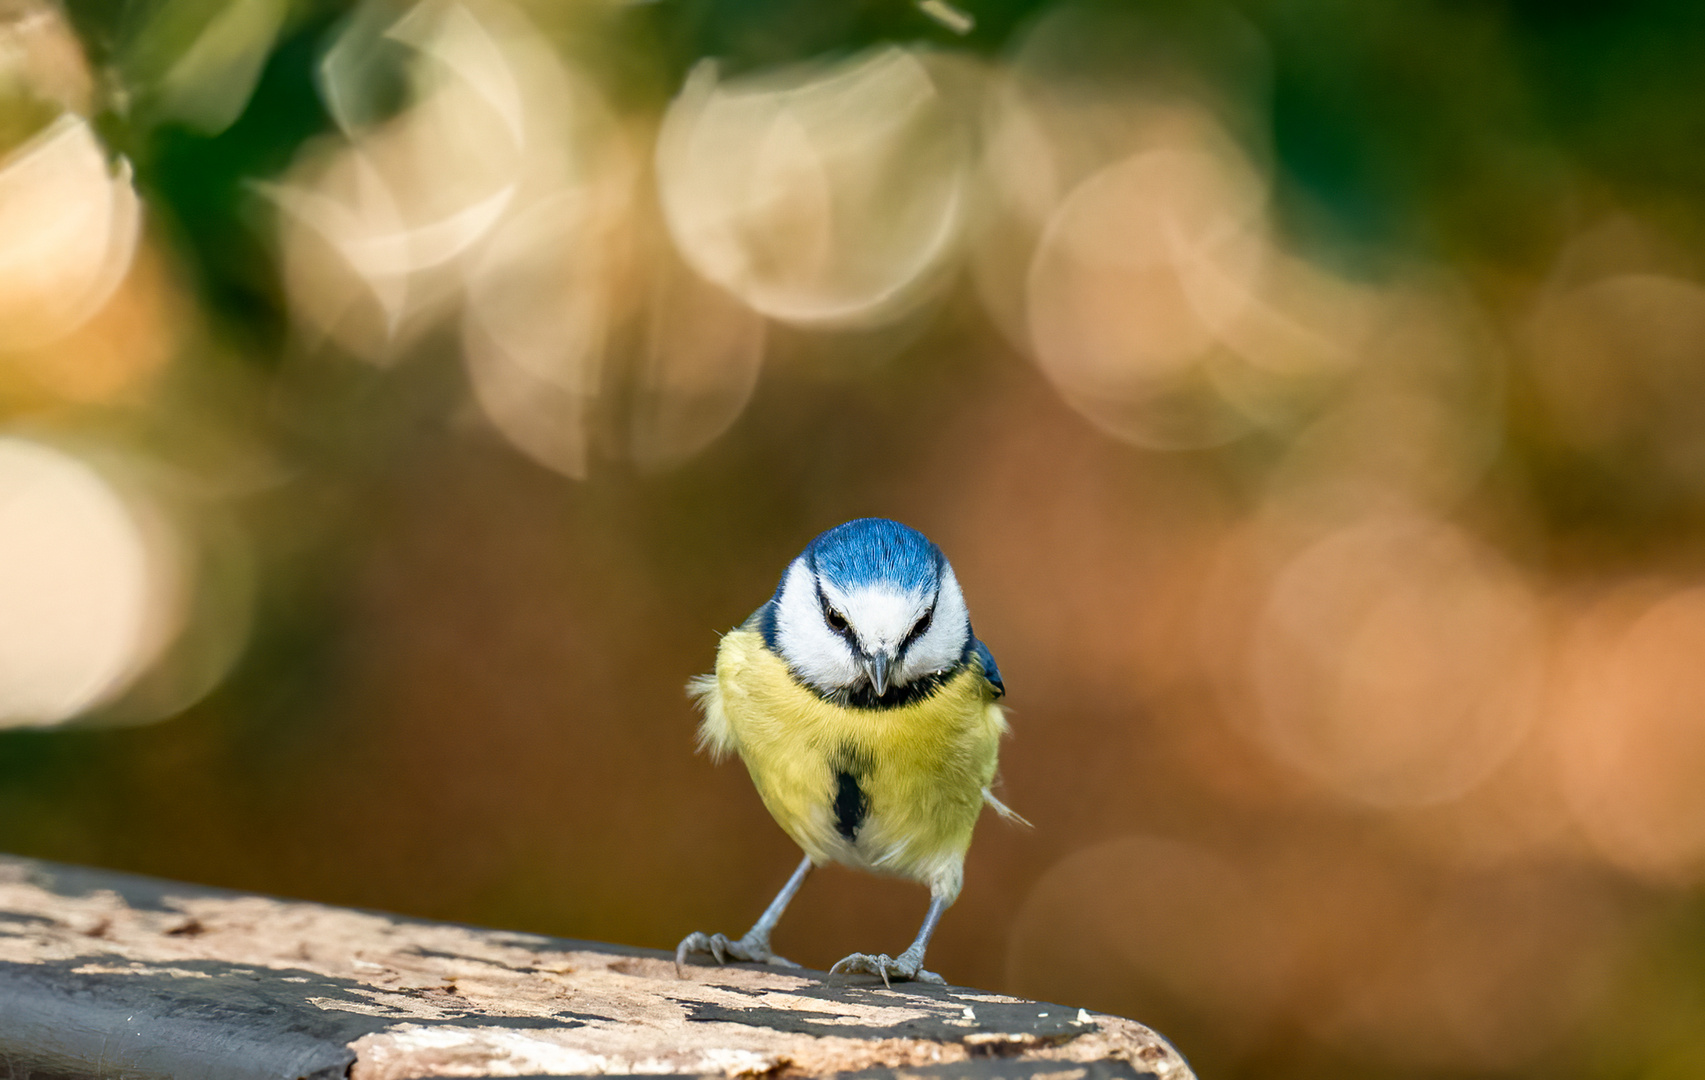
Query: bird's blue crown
[870,550]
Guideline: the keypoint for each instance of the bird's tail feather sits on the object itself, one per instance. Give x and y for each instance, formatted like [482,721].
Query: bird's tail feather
[1004,810]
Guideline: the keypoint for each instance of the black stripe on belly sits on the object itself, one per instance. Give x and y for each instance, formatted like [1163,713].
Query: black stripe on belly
[850,805]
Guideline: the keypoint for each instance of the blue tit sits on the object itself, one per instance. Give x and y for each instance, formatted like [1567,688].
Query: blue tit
[865,709]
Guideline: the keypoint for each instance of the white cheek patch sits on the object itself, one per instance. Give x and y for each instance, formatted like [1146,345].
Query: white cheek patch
[939,647]
[816,653]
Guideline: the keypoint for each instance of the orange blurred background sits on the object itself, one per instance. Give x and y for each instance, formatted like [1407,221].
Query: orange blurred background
[396,400]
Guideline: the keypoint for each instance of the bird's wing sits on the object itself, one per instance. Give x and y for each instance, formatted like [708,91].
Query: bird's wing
[763,621]
[991,671]
[756,620]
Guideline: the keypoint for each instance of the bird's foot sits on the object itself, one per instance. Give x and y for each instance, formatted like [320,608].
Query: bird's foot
[908,967]
[718,947]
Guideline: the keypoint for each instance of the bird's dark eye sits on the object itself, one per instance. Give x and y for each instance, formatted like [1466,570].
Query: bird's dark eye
[836,620]
[918,628]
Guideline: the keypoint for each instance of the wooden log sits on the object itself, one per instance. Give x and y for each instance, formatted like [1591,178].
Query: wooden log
[112,975]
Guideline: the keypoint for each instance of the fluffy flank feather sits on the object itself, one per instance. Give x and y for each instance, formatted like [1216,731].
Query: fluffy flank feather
[714,733]
[1004,810]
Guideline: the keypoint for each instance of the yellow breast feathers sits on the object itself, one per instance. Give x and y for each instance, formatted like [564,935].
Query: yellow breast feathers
[895,790]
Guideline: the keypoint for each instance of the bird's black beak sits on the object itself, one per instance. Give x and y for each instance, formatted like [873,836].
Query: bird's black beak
[876,668]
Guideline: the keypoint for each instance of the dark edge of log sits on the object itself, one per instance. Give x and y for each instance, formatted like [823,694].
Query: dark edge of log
[113,975]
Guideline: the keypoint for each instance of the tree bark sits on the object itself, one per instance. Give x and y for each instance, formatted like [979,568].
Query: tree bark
[111,975]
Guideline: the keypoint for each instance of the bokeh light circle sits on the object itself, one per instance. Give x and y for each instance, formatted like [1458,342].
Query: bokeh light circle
[1397,661]
[69,225]
[827,196]
[1168,929]
[1136,276]
[86,601]
[1632,742]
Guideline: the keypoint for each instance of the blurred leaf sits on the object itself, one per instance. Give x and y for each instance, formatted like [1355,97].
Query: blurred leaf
[200,59]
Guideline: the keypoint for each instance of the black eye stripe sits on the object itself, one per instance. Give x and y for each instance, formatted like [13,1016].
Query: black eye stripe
[918,628]
[837,622]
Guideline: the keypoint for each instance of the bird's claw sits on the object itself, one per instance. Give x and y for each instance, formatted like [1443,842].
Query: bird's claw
[907,968]
[721,949]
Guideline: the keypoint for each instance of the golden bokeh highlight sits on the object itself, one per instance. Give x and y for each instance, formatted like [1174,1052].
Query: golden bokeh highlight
[381,226]
[827,195]
[89,582]
[1631,741]
[698,367]
[1125,240]
[1136,275]
[1397,661]
[537,331]
[71,224]
[113,356]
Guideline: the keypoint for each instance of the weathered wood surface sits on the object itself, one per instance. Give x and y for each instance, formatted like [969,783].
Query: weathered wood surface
[111,975]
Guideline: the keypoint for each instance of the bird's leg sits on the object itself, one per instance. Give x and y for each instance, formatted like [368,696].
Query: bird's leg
[755,946]
[908,965]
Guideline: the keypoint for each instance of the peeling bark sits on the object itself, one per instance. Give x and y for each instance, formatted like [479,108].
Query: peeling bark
[111,975]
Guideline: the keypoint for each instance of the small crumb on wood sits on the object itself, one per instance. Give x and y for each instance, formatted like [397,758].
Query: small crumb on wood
[1002,1043]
